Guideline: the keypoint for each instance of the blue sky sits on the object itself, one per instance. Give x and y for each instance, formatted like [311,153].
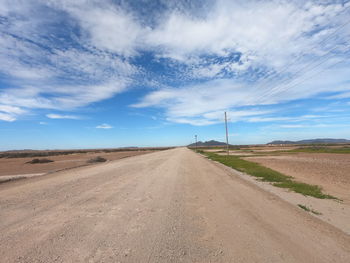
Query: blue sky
[108,73]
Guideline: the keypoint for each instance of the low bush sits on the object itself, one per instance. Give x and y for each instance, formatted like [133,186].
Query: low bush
[43,160]
[304,207]
[97,159]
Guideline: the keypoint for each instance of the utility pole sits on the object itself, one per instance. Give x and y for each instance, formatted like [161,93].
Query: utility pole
[227,147]
[195,137]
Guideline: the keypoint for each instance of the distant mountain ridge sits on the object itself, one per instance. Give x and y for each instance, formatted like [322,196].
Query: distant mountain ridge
[312,141]
[207,143]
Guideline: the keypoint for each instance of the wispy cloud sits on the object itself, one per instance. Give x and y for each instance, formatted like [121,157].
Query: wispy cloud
[11,109]
[104,126]
[263,33]
[10,113]
[47,63]
[312,126]
[6,117]
[60,116]
[292,126]
[203,101]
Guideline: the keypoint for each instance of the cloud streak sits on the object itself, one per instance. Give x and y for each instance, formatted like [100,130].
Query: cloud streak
[104,126]
[60,116]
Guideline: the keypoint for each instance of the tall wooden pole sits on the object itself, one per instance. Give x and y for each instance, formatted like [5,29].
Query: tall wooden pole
[227,145]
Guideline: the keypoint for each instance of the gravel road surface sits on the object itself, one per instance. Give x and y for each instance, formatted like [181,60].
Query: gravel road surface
[168,206]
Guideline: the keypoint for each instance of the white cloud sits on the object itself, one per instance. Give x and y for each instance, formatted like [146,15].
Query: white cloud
[290,119]
[198,99]
[250,28]
[10,113]
[342,95]
[203,104]
[311,126]
[115,30]
[7,117]
[269,119]
[210,71]
[192,121]
[32,83]
[268,32]
[104,126]
[60,116]
[62,97]
[11,109]
[44,75]
[292,126]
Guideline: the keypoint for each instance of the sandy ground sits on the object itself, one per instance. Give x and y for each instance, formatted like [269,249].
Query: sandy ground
[330,171]
[18,166]
[168,206]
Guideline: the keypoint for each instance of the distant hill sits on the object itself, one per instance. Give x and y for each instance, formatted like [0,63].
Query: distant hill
[207,144]
[312,141]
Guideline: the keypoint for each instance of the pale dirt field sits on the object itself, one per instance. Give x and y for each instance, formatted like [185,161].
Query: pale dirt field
[213,150]
[330,171]
[168,206]
[18,166]
[236,153]
[272,148]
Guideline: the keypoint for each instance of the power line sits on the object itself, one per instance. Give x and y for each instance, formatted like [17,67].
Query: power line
[305,68]
[292,80]
[308,68]
[299,57]
[310,77]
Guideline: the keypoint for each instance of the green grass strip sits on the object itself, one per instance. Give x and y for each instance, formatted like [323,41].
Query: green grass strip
[268,175]
[322,150]
[305,189]
[264,173]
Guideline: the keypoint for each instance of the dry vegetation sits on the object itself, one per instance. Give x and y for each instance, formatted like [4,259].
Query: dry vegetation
[97,159]
[45,153]
[21,163]
[330,171]
[43,160]
[326,167]
[266,174]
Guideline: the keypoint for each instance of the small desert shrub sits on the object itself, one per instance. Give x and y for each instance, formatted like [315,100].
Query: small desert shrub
[43,160]
[97,159]
[304,207]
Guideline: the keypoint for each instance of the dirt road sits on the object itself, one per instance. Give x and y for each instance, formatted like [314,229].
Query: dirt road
[169,206]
